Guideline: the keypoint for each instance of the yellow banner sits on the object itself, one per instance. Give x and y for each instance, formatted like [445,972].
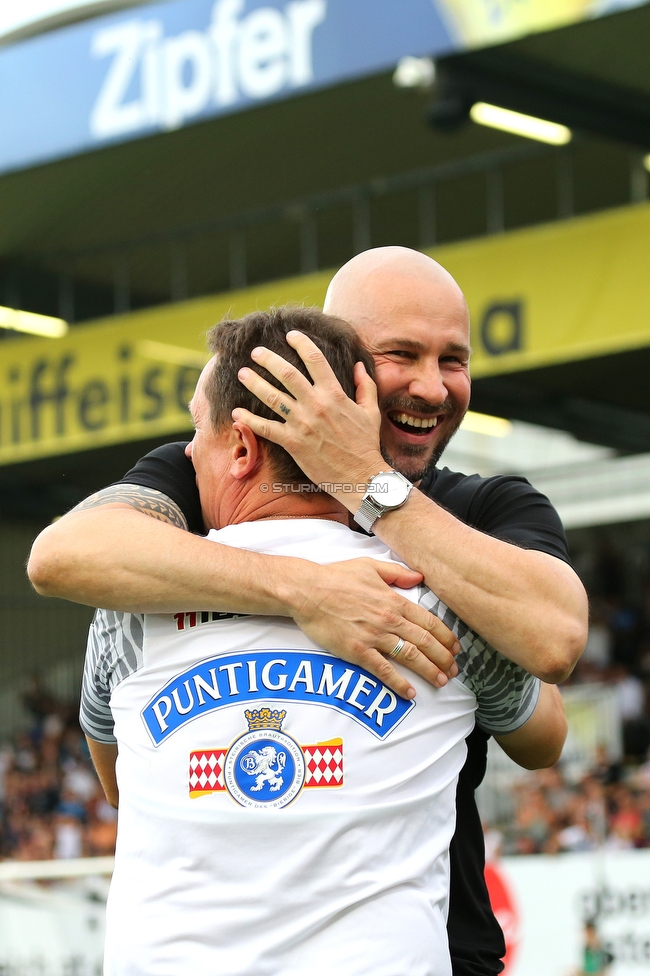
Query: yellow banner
[120,379]
[563,291]
[479,23]
[538,296]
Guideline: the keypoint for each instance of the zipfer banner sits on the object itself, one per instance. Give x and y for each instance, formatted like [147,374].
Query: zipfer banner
[158,67]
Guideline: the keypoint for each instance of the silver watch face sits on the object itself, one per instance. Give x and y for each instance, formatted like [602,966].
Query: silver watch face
[389,490]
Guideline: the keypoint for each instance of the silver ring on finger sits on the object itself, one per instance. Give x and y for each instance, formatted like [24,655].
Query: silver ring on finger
[398,647]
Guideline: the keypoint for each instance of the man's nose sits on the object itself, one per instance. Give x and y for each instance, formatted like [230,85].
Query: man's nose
[188,449]
[427,383]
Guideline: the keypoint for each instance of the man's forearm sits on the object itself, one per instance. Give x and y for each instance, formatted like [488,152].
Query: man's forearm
[530,606]
[119,559]
[539,743]
[116,557]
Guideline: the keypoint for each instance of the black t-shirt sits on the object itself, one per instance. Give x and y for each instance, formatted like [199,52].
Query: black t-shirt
[508,508]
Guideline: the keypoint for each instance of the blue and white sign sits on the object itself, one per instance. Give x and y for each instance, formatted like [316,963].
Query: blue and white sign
[161,66]
[279,675]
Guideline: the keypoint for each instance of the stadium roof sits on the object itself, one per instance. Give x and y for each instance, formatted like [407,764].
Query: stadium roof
[136,223]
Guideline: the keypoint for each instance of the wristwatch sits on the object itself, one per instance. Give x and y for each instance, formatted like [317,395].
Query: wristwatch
[387,491]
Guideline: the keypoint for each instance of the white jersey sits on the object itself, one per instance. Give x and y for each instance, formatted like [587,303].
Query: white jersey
[281,811]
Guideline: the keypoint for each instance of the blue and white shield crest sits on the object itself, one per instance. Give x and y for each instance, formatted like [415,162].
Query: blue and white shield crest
[264,768]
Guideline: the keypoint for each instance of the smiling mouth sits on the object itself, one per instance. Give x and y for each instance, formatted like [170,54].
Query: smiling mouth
[419,426]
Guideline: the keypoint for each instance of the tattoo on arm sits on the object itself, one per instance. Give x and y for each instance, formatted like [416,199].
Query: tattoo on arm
[145,500]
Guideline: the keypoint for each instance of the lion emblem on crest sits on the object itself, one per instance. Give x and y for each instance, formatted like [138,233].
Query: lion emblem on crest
[266,765]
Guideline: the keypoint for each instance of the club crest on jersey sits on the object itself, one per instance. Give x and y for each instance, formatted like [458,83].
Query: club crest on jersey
[265,768]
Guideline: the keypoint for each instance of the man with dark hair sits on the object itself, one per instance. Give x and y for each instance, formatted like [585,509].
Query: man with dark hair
[493,549]
[232,342]
[281,812]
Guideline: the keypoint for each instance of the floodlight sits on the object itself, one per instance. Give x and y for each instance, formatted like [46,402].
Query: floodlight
[40,325]
[519,124]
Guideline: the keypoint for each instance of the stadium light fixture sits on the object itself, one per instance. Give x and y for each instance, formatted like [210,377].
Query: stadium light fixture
[646,162]
[520,125]
[40,325]
[483,423]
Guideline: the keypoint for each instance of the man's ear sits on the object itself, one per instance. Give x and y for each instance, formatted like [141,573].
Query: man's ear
[246,452]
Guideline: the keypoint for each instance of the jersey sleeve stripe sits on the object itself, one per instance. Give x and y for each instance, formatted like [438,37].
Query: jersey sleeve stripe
[113,652]
[506,694]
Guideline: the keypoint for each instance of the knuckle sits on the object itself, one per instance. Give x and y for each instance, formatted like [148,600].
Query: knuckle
[384,670]
[272,398]
[432,622]
[445,638]
[409,654]
[426,641]
[404,606]
[390,617]
[443,657]
[441,631]
[287,373]
[358,648]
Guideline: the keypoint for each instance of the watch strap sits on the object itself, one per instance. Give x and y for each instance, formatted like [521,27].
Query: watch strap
[367,513]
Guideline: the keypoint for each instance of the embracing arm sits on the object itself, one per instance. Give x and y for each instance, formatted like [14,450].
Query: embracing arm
[125,548]
[105,553]
[539,742]
[529,605]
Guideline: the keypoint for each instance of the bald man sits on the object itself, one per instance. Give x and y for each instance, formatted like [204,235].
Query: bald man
[493,549]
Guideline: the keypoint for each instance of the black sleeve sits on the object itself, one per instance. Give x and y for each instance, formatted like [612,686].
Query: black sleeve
[512,510]
[167,469]
[506,507]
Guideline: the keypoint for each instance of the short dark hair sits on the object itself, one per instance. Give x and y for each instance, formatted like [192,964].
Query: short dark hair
[232,341]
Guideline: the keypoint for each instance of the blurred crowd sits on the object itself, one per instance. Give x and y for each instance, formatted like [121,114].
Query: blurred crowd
[51,803]
[618,647]
[608,807]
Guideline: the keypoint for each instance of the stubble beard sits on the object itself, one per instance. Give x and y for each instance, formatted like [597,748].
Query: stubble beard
[414,472]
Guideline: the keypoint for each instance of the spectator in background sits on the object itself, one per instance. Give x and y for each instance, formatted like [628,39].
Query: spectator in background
[595,959]
[553,816]
[50,800]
